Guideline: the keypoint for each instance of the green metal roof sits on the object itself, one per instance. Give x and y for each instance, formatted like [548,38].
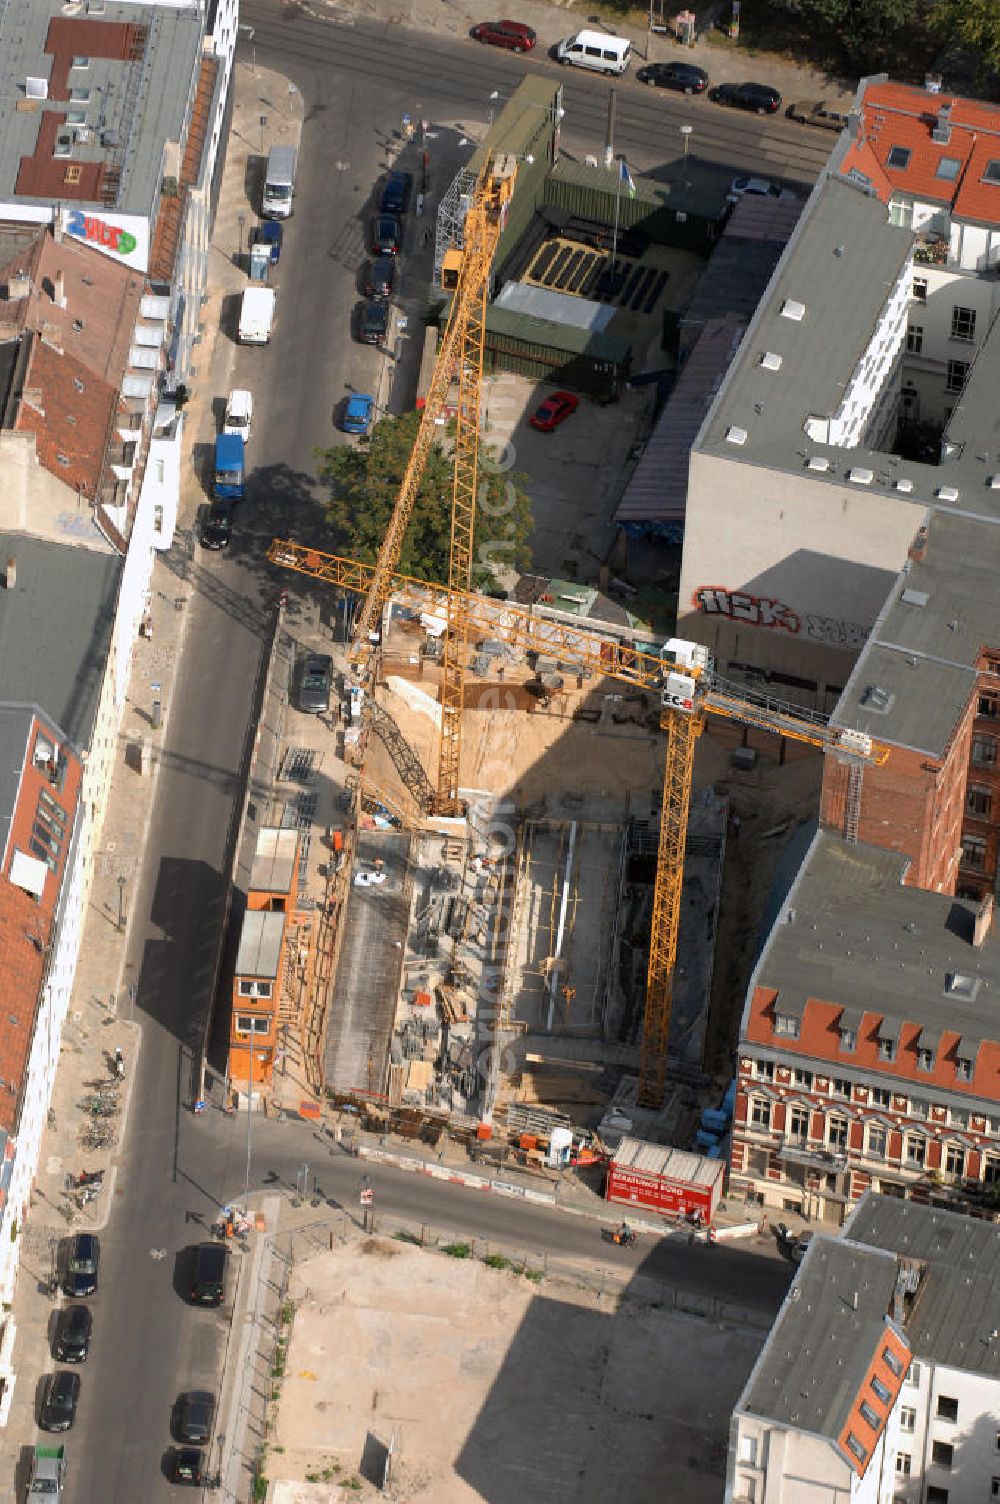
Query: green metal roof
[562,337]
[517,127]
[677,196]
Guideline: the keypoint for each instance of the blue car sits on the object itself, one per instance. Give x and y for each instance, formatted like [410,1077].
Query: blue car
[269,233]
[358,412]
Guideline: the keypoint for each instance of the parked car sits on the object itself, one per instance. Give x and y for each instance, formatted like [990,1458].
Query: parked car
[358,410]
[791,1246]
[269,233]
[380,277]
[510,34]
[396,193]
[756,187]
[193,1417]
[759,97]
[208,1285]
[59,1400]
[186,1466]
[683,76]
[373,321]
[72,1340]
[81,1265]
[818,112]
[239,414]
[553,411]
[387,235]
[315,680]
[217,528]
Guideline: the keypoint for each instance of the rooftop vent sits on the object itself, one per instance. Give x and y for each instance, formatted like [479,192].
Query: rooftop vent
[904,485]
[36,88]
[770,361]
[946,493]
[878,699]
[917,550]
[918,598]
[735,435]
[63,146]
[859,476]
[817,462]
[961,984]
[995,482]
[792,309]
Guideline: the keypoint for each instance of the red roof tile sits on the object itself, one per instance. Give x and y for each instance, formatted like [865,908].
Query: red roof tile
[71,413]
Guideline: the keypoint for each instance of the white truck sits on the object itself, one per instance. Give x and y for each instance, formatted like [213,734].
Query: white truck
[48,1475]
[256,316]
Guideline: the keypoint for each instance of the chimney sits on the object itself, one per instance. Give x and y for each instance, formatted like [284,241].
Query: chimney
[941,134]
[984,921]
[59,291]
[10,574]
[18,287]
[917,550]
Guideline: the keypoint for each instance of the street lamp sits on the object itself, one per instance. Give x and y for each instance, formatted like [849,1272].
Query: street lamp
[122,880]
[241,220]
[685,131]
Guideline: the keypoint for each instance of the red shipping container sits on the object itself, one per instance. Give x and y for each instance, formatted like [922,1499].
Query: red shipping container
[665,1180]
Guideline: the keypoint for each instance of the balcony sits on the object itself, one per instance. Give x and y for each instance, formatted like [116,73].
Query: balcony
[798,1151]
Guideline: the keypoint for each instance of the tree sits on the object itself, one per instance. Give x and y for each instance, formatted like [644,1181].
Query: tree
[364,482]
[976,23]
[866,32]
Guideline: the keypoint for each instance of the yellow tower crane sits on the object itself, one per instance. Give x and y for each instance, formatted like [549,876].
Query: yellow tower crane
[681,674]
[465,272]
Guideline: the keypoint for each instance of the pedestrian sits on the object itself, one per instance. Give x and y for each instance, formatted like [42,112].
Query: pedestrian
[762,1226]
[736,822]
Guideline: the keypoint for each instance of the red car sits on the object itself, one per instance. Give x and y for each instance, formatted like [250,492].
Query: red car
[554,410]
[509,34]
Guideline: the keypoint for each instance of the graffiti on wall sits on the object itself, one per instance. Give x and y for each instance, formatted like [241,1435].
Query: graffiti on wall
[763,611]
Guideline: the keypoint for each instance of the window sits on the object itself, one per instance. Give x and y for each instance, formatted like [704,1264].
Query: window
[748,1450]
[947,168]
[916,1151]
[958,1117]
[963,323]
[954,1160]
[877,1139]
[848,1043]
[803,1078]
[785,1024]
[899,156]
[936,1495]
[80,96]
[984,751]
[250,1023]
[989,705]
[841,1087]
[913,1376]
[992,171]
[764,1070]
[915,339]
[881,1097]
[920,289]
[798,1124]
[942,1452]
[880,1390]
[994,1481]
[158,519]
[919,1107]
[973,853]
[978,801]
[925,1059]
[892,1363]
[760,1112]
[254,988]
[81,62]
[958,370]
[902,1464]
[991,1170]
[836,1132]
[887,1049]
[947,1408]
[907,1418]
[869,1416]
[854,1445]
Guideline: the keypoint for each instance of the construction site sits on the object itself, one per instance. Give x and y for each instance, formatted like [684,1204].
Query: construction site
[527,891]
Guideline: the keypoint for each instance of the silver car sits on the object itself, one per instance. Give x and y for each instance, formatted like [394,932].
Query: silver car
[314,683]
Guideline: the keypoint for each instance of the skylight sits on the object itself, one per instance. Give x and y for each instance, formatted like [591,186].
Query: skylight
[948,168]
[992,173]
[899,156]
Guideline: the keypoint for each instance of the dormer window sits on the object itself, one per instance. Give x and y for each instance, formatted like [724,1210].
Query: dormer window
[925,1059]
[963,1069]
[785,1024]
[848,1041]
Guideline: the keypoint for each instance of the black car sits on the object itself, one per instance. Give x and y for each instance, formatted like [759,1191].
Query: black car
[387,236]
[217,528]
[193,1417]
[380,277]
[59,1398]
[759,97]
[208,1283]
[186,1466]
[72,1343]
[396,193]
[373,322]
[81,1265]
[683,76]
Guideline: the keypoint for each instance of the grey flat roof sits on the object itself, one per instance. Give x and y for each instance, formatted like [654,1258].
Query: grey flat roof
[15,724]
[957,1308]
[55,629]
[923,649]
[274,860]
[851,934]
[260,943]
[816,1358]
[743,260]
[143,103]
[557,307]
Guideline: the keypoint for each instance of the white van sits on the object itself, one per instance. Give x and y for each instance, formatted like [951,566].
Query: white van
[279,182]
[239,414]
[592,49]
[256,316]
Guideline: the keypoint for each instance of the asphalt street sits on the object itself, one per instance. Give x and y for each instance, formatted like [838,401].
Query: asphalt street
[177,1169]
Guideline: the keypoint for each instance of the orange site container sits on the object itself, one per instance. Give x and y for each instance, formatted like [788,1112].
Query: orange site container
[485,1130]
